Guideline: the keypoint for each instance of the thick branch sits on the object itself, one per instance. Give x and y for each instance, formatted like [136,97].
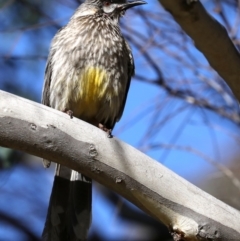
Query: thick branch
[210,38]
[190,213]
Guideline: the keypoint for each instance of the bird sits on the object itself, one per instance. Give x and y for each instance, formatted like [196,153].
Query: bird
[87,76]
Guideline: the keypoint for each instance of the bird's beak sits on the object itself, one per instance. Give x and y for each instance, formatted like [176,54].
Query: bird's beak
[130,4]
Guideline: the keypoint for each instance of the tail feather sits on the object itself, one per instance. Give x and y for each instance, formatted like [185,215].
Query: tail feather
[69,211]
[80,206]
[56,224]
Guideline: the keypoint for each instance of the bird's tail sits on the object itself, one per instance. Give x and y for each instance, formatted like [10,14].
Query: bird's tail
[69,210]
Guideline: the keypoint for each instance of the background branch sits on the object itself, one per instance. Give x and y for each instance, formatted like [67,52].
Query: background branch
[210,37]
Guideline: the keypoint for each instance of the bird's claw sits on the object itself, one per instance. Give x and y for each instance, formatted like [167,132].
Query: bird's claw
[69,112]
[104,128]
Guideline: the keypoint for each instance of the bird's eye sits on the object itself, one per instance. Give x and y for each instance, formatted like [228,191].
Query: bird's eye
[106,3]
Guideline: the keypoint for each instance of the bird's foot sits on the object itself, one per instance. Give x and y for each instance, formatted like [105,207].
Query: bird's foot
[69,112]
[104,128]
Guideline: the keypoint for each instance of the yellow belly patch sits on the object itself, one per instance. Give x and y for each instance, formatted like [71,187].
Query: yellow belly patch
[93,85]
[93,91]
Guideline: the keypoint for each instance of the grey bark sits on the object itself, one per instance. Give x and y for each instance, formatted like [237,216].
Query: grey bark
[189,213]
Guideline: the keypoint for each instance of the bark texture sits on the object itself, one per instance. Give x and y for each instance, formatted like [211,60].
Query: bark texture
[190,213]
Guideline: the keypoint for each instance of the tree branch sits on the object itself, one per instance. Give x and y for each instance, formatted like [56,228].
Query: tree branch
[190,213]
[210,37]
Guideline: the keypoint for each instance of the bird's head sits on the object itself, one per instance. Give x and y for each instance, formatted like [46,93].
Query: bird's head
[114,8]
[119,6]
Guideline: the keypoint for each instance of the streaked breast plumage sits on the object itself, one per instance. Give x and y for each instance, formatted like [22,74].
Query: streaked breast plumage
[95,84]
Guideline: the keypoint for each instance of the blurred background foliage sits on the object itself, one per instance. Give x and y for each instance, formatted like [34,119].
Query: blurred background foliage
[179,111]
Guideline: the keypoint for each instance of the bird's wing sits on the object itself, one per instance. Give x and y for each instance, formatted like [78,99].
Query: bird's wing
[48,74]
[130,73]
[47,80]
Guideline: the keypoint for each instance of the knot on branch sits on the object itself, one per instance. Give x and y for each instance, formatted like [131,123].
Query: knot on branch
[208,231]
